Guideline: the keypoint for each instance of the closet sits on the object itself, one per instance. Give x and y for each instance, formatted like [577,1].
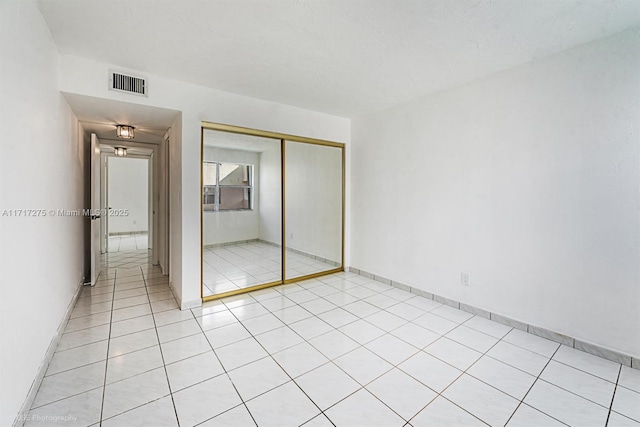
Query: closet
[272,209]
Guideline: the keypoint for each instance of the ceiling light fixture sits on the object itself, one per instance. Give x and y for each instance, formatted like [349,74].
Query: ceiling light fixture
[120,151]
[125,132]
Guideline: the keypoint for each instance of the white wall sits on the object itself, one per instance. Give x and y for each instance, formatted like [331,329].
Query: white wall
[128,189]
[233,226]
[528,179]
[313,190]
[197,103]
[270,196]
[42,166]
[175,210]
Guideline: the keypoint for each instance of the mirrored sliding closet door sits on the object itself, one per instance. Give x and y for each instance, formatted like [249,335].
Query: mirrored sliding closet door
[241,212]
[313,219]
[272,209]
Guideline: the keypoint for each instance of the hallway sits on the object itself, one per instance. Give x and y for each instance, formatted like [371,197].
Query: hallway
[341,350]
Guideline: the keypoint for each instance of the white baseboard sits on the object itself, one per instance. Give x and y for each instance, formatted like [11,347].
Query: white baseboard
[588,347]
[42,370]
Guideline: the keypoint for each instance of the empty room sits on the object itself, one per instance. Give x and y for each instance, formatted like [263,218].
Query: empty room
[320,213]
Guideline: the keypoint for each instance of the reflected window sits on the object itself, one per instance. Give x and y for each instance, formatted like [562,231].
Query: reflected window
[227,186]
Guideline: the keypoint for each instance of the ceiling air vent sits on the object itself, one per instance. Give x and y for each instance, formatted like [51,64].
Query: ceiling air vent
[128,83]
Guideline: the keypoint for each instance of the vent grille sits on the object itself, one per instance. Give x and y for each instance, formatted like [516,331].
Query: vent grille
[129,84]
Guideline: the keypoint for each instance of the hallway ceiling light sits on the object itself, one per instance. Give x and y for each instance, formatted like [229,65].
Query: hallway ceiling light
[125,132]
[120,151]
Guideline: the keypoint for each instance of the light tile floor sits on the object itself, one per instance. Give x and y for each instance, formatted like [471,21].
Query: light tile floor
[341,350]
[228,268]
[128,242]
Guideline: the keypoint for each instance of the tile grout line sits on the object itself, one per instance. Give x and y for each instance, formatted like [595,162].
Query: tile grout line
[361,387]
[315,315]
[224,370]
[582,370]
[386,332]
[66,370]
[441,394]
[614,396]
[164,365]
[531,388]
[286,324]
[225,276]
[276,362]
[394,366]
[500,361]
[359,345]
[335,328]
[148,329]
[149,370]
[106,363]
[241,269]
[123,308]
[124,379]
[422,349]
[574,393]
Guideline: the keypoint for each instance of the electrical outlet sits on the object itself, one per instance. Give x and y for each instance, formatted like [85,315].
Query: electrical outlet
[465,279]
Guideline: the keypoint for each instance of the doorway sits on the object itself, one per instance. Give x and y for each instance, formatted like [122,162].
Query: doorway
[128,204]
[155,130]
[133,205]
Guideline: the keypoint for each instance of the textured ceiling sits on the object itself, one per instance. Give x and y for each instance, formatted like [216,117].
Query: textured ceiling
[344,57]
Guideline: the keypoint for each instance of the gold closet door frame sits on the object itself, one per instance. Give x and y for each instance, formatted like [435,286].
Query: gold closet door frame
[283,137]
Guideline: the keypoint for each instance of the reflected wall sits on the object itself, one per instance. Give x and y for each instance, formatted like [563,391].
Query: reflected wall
[241,198]
[313,220]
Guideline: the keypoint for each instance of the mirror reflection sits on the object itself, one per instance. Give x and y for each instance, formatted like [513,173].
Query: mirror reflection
[313,189]
[241,220]
[227,186]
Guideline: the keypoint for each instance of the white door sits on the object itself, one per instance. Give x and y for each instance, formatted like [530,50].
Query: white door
[95,208]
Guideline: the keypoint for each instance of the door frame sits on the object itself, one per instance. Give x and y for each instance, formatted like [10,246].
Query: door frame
[158,227]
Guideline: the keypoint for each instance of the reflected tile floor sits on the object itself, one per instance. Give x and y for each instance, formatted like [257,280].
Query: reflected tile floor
[341,350]
[239,266]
